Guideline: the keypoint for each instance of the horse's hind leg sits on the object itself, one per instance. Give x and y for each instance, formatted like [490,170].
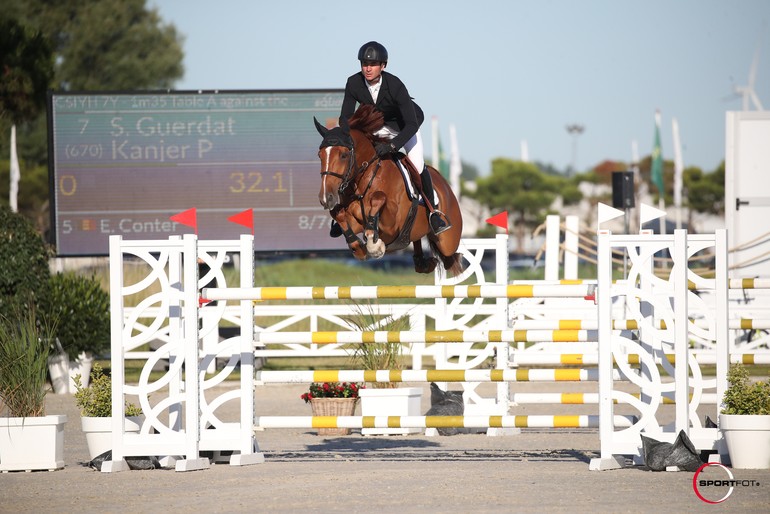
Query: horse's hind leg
[422,264]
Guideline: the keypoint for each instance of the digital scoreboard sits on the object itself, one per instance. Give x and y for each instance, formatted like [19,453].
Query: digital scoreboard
[124,163]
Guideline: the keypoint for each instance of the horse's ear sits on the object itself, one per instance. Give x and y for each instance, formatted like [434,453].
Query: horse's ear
[320,128]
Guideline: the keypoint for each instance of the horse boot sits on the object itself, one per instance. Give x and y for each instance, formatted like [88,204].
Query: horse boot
[435,217]
[335,230]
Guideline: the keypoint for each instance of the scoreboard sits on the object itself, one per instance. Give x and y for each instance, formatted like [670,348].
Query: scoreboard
[124,163]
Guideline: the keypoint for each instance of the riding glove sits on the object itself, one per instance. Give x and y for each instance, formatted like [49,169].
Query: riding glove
[384,149]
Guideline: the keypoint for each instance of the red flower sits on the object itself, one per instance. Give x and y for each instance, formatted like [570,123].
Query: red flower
[332,390]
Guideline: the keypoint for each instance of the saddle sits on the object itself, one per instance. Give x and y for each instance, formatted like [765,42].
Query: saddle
[404,237]
[412,180]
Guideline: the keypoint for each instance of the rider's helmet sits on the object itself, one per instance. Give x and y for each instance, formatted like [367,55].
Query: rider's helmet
[373,51]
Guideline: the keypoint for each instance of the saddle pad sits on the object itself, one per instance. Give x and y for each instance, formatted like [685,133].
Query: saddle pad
[410,192]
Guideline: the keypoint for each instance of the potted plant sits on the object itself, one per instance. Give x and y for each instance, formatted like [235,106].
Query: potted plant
[29,440]
[745,420]
[384,398]
[95,403]
[83,310]
[333,399]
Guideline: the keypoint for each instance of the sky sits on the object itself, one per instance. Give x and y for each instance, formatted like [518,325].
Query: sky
[505,72]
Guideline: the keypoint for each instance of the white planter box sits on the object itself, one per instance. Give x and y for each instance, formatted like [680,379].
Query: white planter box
[748,440]
[403,401]
[98,432]
[28,444]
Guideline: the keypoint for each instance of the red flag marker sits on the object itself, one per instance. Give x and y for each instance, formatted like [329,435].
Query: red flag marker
[188,218]
[245,218]
[499,220]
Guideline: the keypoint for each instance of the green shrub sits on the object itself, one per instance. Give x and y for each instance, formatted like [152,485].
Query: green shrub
[95,401]
[743,397]
[24,272]
[83,310]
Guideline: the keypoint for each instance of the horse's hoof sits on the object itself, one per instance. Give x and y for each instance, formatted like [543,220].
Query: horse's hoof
[375,250]
[425,265]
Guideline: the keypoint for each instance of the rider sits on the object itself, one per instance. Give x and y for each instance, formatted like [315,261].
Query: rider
[403,118]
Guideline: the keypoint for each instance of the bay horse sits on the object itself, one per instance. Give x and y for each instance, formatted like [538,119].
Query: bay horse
[367,195]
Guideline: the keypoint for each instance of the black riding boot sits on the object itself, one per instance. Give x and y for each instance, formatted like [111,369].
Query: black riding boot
[435,220]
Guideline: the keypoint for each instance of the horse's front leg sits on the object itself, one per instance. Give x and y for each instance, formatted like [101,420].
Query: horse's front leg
[350,227]
[375,247]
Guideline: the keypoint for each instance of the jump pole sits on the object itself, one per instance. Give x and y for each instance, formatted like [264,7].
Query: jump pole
[430,336]
[570,290]
[429,375]
[539,421]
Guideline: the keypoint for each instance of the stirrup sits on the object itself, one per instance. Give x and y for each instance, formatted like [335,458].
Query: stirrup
[437,224]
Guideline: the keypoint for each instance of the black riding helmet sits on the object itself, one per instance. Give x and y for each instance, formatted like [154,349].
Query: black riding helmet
[373,51]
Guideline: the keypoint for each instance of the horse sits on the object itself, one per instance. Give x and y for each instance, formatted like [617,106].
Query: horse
[366,194]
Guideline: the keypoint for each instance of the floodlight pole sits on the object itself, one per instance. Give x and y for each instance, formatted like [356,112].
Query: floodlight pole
[574,129]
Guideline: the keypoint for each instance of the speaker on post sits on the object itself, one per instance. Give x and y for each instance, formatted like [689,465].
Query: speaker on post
[623,189]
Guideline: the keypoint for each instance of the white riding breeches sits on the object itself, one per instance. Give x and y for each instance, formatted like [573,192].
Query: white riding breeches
[413,147]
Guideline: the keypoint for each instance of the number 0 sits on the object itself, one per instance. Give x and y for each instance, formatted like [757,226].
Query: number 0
[68,185]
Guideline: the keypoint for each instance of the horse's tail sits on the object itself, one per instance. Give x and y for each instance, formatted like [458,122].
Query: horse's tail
[455,266]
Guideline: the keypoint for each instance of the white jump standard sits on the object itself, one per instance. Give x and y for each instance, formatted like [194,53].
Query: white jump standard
[646,344]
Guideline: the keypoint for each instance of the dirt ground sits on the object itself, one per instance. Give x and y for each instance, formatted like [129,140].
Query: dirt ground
[537,470]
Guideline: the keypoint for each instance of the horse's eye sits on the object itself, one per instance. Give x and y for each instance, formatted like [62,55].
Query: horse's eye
[344,155]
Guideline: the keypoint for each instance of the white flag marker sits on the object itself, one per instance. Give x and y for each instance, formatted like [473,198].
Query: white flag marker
[649,213]
[607,213]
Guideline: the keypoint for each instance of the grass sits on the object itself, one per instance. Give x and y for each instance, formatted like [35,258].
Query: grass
[322,272]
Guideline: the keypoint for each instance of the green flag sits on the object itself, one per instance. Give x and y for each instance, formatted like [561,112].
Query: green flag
[656,170]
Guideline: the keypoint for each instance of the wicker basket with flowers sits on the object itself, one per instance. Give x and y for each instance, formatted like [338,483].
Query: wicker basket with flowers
[329,400]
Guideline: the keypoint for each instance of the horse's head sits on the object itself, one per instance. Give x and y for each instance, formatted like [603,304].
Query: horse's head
[337,156]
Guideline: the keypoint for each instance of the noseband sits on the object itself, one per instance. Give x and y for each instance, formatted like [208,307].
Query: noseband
[351,173]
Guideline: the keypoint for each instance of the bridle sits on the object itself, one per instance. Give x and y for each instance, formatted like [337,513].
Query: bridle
[351,174]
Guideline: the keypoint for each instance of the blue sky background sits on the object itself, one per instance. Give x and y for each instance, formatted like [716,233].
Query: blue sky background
[505,71]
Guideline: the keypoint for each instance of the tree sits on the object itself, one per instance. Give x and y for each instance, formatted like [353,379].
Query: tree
[26,68]
[107,44]
[26,71]
[470,172]
[520,188]
[704,192]
[120,45]
[549,169]
[96,45]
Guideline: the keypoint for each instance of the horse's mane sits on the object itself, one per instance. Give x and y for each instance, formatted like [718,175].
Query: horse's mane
[368,120]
